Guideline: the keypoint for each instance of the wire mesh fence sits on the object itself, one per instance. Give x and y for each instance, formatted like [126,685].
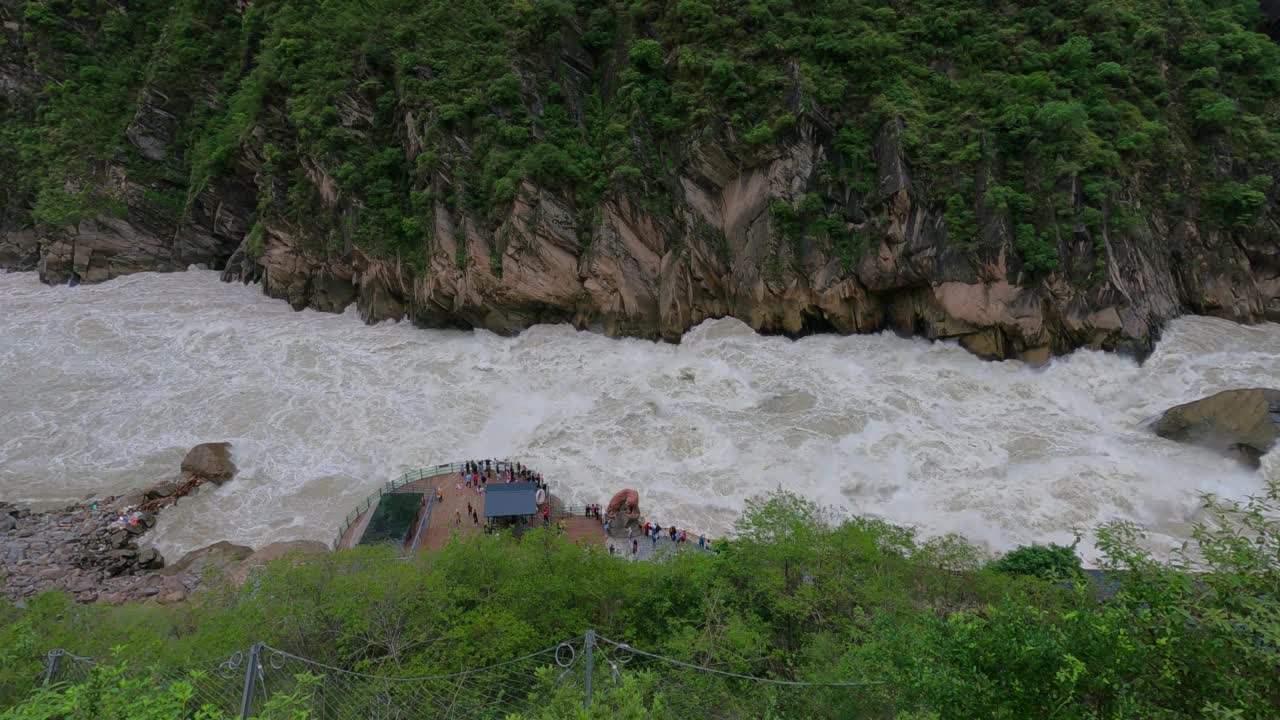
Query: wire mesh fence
[677,688]
[579,672]
[495,691]
[216,682]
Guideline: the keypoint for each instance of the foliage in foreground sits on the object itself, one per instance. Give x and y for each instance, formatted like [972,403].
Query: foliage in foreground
[794,596]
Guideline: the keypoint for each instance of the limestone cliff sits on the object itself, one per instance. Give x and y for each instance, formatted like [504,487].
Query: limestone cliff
[706,222]
[713,253]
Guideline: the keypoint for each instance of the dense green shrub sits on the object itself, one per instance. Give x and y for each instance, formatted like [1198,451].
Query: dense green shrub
[795,594]
[1047,562]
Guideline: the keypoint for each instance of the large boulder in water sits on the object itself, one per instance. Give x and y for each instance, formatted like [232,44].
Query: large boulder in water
[1243,424]
[210,461]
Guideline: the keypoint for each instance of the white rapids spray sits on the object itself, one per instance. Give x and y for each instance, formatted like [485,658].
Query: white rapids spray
[103,388]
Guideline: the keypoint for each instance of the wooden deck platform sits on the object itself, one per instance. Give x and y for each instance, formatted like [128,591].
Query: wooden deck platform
[579,528]
[449,516]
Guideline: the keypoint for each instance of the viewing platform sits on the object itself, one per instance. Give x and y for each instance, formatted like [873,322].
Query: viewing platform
[424,509]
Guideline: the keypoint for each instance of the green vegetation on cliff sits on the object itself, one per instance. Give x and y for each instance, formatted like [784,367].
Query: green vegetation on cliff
[793,596]
[1047,127]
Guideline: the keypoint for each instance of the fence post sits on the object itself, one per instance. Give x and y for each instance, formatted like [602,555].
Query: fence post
[250,672]
[51,665]
[589,645]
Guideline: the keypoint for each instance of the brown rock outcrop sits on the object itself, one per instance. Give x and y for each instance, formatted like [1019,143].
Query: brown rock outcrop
[210,461]
[204,463]
[1243,424]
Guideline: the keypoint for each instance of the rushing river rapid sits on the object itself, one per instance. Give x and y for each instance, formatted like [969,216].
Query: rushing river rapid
[104,388]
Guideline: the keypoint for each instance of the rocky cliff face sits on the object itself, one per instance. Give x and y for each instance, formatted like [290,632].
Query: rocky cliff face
[140,223]
[716,253]
[714,234]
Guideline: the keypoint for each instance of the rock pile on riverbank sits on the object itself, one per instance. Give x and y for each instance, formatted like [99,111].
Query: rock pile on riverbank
[92,549]
[86,550]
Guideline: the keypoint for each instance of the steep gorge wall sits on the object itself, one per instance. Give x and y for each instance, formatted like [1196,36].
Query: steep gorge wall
[785,234]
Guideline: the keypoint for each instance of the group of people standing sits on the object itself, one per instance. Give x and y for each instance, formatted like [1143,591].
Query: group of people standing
[653,531]
[479,473]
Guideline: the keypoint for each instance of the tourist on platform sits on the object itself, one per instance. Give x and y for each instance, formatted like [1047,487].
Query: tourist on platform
[635,547]
[702,543]
[654,538]
[630,531]
[672,533]
[611,550]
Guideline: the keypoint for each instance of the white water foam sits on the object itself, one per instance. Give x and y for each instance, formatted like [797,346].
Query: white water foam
[103,388]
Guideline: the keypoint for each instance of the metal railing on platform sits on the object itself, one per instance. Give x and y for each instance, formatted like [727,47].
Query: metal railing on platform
[422,525]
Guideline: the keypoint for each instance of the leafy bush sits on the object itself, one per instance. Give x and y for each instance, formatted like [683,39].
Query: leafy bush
[1038,254]
[1238,204]
[646,55]
[1047,562]
[795,594]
